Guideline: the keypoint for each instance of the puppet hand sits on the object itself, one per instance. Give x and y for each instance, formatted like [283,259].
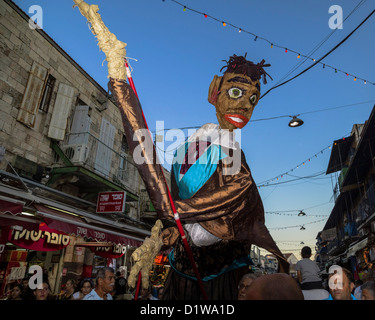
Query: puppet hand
[169,236]
[144,256]
[113,48]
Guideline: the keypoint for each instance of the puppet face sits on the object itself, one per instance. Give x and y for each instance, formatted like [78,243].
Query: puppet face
[234,99]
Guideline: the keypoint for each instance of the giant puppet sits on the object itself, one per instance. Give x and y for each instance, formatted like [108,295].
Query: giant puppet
[213,213]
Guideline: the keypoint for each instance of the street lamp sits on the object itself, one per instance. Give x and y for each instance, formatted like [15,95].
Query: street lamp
[295,122]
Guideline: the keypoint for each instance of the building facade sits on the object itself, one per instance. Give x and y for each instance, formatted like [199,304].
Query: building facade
[348,237]
[62,143]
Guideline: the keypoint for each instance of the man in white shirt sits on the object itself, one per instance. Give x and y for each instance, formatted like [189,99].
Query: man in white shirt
[105,284]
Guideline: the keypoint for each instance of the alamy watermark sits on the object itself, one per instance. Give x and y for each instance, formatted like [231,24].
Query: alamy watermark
[336,279]
[336,20]
[199,153]
[36,20]
[36,280]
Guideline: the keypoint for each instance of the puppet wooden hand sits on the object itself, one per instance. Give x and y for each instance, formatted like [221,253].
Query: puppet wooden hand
[113,48]
[145,255]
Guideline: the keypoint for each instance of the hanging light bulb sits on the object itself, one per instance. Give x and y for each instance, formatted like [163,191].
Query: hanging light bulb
[301,214]
[205,15]
[184,8]
[271,45]
[295,122]
[302,242]
[302,228]
[224,24]
[299,56]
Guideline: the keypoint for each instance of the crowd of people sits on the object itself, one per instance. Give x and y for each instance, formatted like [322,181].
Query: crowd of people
[308,285]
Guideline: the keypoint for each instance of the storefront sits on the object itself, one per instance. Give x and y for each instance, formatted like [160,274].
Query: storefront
[64,244]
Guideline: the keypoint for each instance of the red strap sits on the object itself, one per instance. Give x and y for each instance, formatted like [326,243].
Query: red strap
[178,222]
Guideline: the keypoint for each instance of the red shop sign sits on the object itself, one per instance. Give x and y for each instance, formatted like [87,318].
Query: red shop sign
[113,201]
[43,239]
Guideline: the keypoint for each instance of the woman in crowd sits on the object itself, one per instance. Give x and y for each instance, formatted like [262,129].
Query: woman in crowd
[84,288]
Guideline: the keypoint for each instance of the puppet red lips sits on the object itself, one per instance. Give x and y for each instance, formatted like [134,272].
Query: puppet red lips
[237,120]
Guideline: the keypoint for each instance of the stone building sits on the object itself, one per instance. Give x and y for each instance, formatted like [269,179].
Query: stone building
[61,144]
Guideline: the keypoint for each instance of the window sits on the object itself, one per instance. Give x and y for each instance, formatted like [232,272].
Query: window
[47,94]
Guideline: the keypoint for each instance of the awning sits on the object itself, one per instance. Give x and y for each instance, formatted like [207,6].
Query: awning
[28,223]
[76,226]
[339,154]
[10,206]
[356,247]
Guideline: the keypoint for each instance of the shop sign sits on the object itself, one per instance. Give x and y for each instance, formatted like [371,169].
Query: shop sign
[17,273]
[43,239]
[114,252]
[113,201]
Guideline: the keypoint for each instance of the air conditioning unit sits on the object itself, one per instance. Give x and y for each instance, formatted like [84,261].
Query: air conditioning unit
[76,153]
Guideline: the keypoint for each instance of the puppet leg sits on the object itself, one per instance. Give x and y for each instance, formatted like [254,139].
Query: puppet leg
[263,239]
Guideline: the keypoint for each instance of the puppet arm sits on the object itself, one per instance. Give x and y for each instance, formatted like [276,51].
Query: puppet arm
[138,137]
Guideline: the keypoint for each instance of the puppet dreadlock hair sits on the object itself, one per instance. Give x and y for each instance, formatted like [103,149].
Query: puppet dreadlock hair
[239,65]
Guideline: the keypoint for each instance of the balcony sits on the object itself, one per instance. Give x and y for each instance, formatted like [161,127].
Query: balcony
[84,153]
[366,206]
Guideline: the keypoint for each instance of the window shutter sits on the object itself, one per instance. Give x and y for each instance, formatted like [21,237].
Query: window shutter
[61,110]
[79,131]
[105,146]
[32,95]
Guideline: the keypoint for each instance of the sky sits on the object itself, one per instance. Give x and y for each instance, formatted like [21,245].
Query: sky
[175,53]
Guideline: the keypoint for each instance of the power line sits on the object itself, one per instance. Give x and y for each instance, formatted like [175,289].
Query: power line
[320,44]
[273,44]
[299,225]
[324,56]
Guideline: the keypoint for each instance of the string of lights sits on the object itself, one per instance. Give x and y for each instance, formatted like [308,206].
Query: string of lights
[301,226]
[273,44]
[318,46]
[297,179]
[295,215]
[303,163]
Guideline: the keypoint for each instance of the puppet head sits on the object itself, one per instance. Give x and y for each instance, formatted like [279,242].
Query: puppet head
[236,93]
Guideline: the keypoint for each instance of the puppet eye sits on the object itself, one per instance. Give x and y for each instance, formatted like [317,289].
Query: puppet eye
[253,98]
[235,93]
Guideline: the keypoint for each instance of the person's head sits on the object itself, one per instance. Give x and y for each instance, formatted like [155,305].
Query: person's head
[25,283]
[236,93]
[43,292]
[105,279]
[70,285]
[145,292]
[368,290]
[341,283]
[277,286]
[306,252]
[86,286]
[16,292]
[244,284]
